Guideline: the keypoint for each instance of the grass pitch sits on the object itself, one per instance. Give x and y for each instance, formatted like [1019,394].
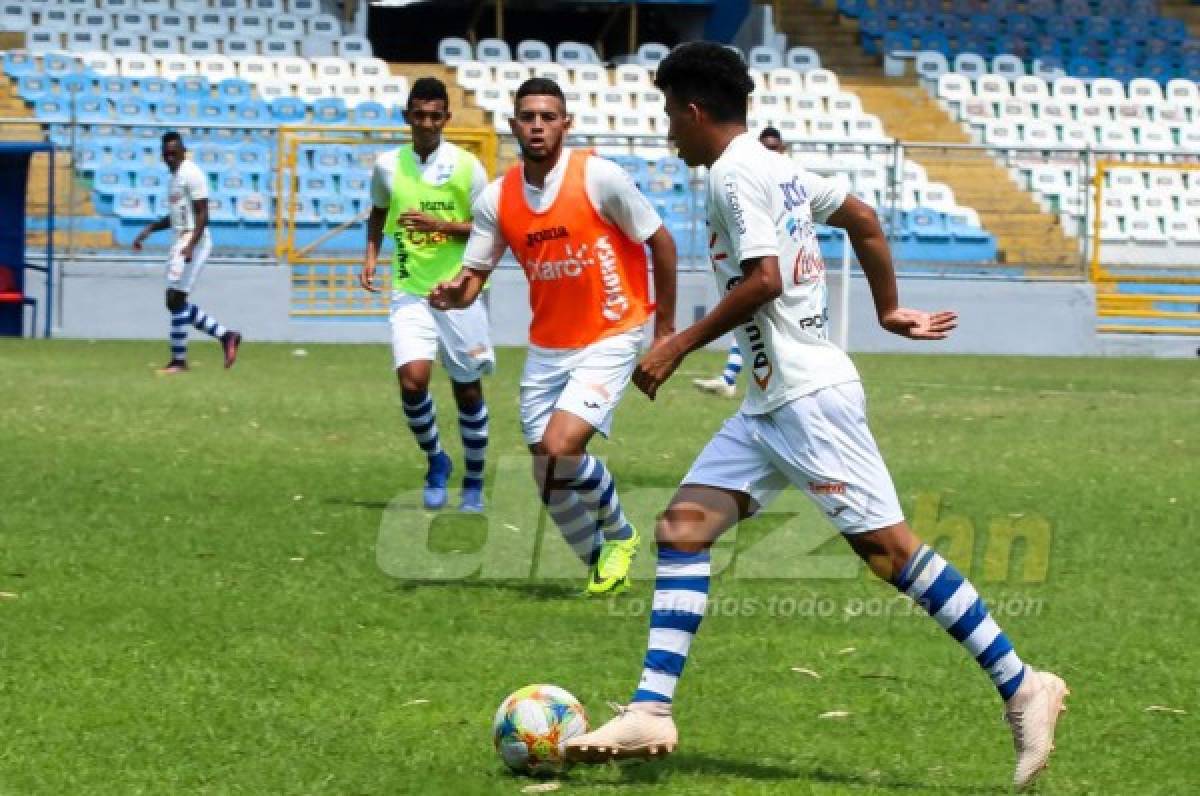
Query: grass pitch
[200,588]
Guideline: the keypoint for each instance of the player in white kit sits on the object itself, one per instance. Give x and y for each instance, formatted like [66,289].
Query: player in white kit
[803,423]
[187,215]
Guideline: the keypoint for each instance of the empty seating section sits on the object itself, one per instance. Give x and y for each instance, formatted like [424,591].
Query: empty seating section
[1046,131]
[1122,39]
[190,27]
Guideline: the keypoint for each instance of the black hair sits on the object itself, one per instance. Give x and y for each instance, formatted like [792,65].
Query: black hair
[539,87]
[172,137]
[769,132]
[709,75]
[428,89]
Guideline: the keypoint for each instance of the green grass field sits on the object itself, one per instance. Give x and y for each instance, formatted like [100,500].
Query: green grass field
[200,593]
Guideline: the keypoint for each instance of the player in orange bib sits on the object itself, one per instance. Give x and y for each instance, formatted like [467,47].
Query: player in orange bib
[578,226]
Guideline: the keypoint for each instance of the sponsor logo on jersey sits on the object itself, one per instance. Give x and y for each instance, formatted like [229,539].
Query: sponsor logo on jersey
[814,321]
[794,194]
[827,488]
[600,254]
[809,267]
[735,204]
[543,235]
[760,364]
[440,205]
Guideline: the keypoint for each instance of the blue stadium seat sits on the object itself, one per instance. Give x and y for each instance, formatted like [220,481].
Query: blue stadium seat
[32,88]
[317,186]
[254,208]
[134,110]
[114,86]
[288,110]
[329,110]
[52,109]
[927,226]
[233,89]
[370,113]
[19,63]
[335,209]
[234,181]
[1084,67]
[330,158]
[172,111]
[253,157]
[356,186]
[150,180]
[107,182]
[213,110]
[91,109]
[1020,25]
[135,206]
[251,111]
[1170,29]
[57,64]
[221,209]
[193,87]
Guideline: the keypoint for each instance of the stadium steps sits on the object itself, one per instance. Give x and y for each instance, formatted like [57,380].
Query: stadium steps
[834,38]
[37,200]
[1025,234]
[466,112]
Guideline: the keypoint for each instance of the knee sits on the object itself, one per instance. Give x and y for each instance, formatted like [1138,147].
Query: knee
[468,395]
[176,300]
[674,532]
[412,386]
[558,446]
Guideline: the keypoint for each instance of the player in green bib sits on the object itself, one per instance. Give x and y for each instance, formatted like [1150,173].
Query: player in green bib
[422,195]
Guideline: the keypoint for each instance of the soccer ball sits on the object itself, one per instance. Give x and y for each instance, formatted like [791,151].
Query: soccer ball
[532,726]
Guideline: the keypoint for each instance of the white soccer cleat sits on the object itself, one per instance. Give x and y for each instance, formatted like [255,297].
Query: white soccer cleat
[640,729]
[715,387]
[1032,713]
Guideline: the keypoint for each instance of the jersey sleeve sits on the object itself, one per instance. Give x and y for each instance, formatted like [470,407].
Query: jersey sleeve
[479,180]
[619,201]
[742,201]
[486,244]
[381,182]
[196,184]
[824,195]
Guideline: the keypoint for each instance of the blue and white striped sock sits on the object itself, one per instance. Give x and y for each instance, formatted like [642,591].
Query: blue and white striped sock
[953,602]
[473,426]
[733,366]
[179,334]
[680,596]
[594,485]
[422,419]
[205,322]
[575,523]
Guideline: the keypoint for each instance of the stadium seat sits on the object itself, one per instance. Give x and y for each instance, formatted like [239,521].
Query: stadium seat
[233,89]
[251,111]
[764,58]
[255,69]
[370,70]
[313,46]
[211,23]
[286,27]
[172,23]
[312,90]
[201,44]
[510,75]
[369,113]
[288,110]
[573,53]
[533,51]
[353,46]
[329,110]
[304,8]
[454,50]
[392,91]
[931,65]
[632,77]
[278,47]
[15,17]
[651,54]
[173,67]
[137,66]
[294,70]
[802,59]
[589,77]
[473,75]
[331,69]
[238,47]
[970,65]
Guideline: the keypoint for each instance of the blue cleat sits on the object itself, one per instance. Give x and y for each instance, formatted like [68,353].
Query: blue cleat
[472,499]
[435,494]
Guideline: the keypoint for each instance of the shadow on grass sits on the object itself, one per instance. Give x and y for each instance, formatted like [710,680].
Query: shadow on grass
[366,504]
[541,590]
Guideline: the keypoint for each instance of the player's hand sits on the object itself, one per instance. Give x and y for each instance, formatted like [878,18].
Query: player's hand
[187,251]
[448,295]
[657,366]
[366,278]
[416,220]
[137,243]
[919,325]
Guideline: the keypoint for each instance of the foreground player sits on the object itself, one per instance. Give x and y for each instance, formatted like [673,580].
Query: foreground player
[577,225]
[187,214]
[422,195]
[725,385]
[803,422]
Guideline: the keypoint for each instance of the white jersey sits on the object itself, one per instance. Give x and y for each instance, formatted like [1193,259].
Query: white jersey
[761,204]
[188,184]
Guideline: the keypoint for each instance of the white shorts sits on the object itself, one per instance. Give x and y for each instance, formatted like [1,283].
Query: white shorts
[182,275]
[587,382]
[461,337]
[819,443]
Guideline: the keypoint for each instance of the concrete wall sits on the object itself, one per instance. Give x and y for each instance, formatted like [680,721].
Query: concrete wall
[124,300]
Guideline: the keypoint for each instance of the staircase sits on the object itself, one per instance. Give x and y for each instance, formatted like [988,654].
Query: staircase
[466,114]
[37,201]
[835,38]
[1025,234]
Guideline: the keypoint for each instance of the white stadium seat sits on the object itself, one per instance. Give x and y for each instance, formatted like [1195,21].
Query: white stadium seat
[211,23]
[632,77]
[1031,88]
[100,62]
[237,47]
[314,46]
[332,69]
[931,65]
[473,75]
[820,82]
[174,66]
[453,50]
[354,46]
[136,65]
[802,59]
[287,27]
[970,65]
[256,69]
[370,69]
[589,77]
[764,58]
[216,67]
[652,53]
[534,51]
[1010,67]
[278,46]
[511,75]
[573,53]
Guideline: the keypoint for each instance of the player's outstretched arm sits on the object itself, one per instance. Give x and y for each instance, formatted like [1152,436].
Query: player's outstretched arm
[760,284]
[664,256]
[871,246]
[460,292]
[150,229]
[375,223]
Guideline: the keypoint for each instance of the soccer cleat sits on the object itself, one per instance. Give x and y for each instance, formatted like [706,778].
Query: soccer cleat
[1032,713]
[716,387]
[640,729]
[174,366]
[472,500]
[435,494]
[230,342]
[610,572]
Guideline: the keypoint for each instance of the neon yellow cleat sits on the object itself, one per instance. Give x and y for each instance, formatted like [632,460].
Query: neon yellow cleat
[610,573]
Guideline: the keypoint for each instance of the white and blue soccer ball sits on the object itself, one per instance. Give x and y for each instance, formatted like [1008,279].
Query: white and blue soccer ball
[532,726]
